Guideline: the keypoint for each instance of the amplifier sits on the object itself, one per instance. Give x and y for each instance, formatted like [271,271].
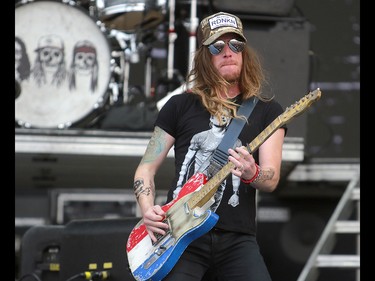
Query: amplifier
[97,203]
[67,204]
[96,246]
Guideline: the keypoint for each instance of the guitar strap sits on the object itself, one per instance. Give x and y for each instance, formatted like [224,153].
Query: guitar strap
[220,156]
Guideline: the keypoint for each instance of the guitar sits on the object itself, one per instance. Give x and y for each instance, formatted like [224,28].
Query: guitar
[188,215]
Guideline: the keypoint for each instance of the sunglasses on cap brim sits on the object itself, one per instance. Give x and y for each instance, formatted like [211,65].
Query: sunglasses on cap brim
[235,45]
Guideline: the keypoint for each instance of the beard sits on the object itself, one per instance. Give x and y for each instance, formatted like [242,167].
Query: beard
[232,77]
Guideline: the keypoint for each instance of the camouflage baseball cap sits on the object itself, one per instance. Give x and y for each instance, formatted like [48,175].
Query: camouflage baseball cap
[212,27]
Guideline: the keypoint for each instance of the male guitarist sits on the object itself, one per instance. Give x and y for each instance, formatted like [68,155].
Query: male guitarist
[226,71]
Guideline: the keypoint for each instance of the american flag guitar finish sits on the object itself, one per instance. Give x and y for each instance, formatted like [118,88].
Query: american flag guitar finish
[189,215]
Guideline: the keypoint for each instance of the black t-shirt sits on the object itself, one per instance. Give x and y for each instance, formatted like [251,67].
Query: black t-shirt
[197,135]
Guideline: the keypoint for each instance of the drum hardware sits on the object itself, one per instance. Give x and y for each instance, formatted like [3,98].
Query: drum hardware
[192,26]
[128,55]
[113,84]
[130,15]
[131,42]
[109,13]
[128,44]
[93,12]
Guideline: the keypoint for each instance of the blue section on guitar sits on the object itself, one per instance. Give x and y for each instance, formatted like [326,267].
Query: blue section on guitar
[166,260]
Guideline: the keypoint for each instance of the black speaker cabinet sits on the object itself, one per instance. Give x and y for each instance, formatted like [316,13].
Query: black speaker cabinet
[96,245]
[40,253]
[288,230]
[284,50]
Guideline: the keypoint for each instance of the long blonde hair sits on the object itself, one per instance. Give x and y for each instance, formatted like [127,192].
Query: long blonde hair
[208,84]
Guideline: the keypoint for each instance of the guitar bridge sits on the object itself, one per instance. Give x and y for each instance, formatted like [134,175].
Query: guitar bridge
[167,243]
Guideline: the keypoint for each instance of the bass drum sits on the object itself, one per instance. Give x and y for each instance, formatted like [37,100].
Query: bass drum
[131,15]
[62,64]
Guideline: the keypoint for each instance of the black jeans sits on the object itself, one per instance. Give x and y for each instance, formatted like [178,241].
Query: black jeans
[221,256]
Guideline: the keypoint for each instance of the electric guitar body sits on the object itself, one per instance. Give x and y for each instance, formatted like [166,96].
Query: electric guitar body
[153,261]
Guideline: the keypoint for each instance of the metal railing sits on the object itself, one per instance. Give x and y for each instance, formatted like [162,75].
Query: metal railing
[339,223]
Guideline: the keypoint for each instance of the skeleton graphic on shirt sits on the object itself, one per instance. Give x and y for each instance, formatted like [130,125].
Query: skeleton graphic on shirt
[200,152]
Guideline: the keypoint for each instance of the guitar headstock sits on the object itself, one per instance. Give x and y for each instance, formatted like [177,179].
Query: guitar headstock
[300,106]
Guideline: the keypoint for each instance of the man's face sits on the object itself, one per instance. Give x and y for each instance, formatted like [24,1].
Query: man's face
[228,62]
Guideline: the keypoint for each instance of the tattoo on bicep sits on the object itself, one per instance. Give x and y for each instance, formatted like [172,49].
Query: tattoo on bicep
[140,188]
[155,146]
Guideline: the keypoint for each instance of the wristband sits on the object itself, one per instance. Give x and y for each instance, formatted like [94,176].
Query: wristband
[254,178]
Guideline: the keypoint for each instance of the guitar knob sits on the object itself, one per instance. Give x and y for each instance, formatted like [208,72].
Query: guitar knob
[160,250]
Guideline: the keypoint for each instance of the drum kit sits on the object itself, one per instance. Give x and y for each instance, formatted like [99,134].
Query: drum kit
[73,58]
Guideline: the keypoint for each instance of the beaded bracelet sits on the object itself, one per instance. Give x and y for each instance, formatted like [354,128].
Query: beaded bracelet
[254,178]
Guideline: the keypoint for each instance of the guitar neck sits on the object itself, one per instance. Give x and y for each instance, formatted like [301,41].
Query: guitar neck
[265,134]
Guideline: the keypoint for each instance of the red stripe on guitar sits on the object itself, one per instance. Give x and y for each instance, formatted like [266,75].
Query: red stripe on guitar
[140,232]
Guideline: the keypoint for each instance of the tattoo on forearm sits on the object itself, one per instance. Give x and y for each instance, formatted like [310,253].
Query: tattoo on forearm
[139,188]
[155,146]
[265,174]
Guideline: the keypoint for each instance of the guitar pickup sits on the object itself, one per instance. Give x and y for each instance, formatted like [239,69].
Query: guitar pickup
[159,236]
